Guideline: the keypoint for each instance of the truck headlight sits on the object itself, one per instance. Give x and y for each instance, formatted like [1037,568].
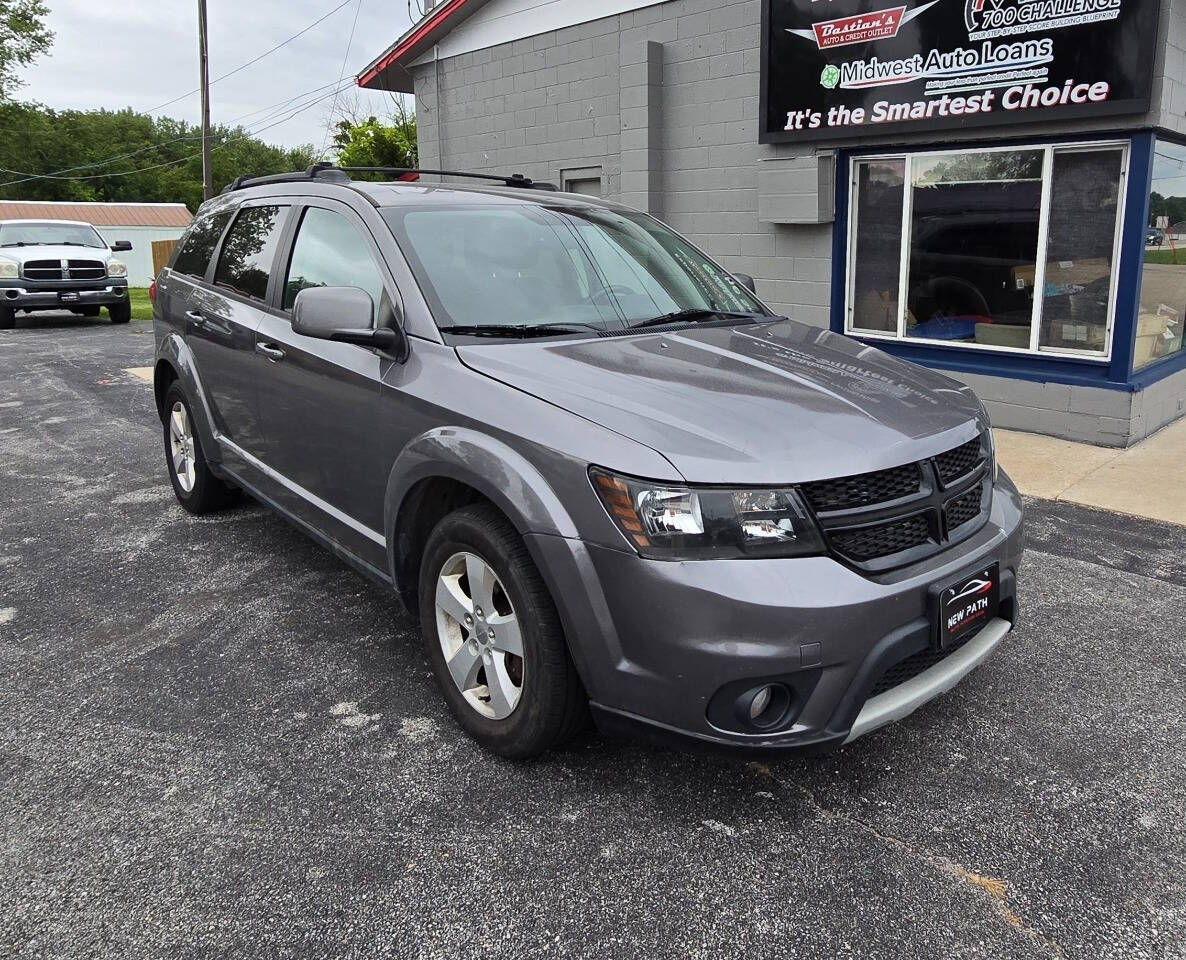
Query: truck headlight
[116,268]
[677,522]
[9,269]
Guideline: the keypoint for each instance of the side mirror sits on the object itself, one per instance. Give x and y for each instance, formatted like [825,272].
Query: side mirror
[121,246]
[344,314]
[746,281]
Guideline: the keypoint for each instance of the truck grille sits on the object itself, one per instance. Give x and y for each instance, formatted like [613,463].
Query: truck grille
[890,518]
[65,270]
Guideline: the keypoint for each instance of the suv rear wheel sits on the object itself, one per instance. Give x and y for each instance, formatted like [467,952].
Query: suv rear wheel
[494,638]
[197,489]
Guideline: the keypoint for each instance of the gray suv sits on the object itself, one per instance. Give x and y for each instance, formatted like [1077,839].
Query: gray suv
[598,469]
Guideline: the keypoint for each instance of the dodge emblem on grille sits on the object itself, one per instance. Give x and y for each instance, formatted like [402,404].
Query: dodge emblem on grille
[65,269]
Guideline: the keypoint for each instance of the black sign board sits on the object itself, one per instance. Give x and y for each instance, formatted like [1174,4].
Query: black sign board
[838,69]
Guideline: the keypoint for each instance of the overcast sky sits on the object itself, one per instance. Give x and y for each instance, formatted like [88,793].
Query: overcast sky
[140,53]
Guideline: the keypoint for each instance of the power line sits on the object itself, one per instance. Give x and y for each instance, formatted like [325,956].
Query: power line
[234,135]
[269,111]
[341,73]
[169,103]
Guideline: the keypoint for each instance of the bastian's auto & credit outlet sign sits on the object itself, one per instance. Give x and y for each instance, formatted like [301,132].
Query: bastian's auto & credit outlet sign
[837,69]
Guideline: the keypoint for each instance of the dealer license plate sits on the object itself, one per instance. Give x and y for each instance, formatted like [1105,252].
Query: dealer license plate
[68,296]
[967,605]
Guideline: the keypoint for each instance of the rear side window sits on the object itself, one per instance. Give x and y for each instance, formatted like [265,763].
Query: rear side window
[198,246]
[330,252]
[249,252]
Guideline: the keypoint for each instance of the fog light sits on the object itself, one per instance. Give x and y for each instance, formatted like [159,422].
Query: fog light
[764,707]
[760,702]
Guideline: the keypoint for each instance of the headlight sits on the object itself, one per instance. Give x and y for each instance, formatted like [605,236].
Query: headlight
[116,268]
[9,269]
[673,522]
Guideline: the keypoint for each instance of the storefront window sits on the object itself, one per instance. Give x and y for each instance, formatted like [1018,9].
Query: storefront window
[1005,249]
[877,251]
[1163,277]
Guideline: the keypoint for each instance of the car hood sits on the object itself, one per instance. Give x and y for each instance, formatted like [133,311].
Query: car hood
[764,403]
[23,255]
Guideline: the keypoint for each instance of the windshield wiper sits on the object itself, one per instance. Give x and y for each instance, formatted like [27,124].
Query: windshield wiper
[518,330]
[693,315]
[24,243]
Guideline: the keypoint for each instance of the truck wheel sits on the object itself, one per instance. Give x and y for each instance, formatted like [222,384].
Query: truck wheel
[120,312]
[7,317]
[87,311]
[197,489]
[494,637]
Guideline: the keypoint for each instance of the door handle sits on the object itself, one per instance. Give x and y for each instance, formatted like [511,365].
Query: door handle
[270,350]
[196,316]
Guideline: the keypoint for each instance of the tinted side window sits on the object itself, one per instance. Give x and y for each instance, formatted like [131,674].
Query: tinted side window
[330,252]
[249,251]
[198,246]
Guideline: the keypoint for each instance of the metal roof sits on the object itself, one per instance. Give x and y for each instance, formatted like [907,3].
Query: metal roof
[99,214]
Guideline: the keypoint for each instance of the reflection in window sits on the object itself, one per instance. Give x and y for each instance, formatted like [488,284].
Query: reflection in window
[976,271]
[877,258]
[330,252]
[973,237]
[1077,288]
[1163,277]
[248,252]
[197,247]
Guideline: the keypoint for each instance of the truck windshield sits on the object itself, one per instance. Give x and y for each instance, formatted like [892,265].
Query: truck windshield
[527,265]
[49,234]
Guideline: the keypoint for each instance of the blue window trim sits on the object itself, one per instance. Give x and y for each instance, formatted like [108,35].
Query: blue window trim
[1045,368]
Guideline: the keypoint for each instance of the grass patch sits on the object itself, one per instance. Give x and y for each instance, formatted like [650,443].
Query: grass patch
[1166,256]
[141,305]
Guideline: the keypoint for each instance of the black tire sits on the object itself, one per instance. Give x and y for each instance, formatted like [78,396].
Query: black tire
[552,705]
[7,317]
[120,312]
[208,492]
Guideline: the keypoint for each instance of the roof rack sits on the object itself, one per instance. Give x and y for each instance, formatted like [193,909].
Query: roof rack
[329,172]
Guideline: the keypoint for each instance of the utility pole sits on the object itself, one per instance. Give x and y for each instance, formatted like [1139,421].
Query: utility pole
[204,67]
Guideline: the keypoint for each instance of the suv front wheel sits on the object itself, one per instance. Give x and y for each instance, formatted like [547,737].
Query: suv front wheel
[494,637]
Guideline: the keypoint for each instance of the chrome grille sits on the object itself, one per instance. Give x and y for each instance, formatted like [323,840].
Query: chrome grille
[65,270]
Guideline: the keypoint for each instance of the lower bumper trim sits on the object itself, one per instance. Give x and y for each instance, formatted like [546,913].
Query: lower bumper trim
[907,697]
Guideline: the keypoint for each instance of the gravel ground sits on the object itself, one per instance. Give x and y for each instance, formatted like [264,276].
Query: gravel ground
[223,742]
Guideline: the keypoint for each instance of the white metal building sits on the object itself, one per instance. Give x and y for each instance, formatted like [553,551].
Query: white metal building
[139,223]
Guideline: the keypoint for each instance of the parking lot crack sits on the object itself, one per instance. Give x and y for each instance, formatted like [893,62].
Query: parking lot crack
[995,890]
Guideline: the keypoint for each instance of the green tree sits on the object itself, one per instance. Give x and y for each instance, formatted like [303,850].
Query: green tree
[374,143]
[23,38]
[121,155]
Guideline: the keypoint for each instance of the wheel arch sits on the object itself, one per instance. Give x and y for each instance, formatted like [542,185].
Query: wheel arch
[449,468]
[175,363]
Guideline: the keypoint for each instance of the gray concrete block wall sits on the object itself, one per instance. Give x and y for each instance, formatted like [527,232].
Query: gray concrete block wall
[665,101]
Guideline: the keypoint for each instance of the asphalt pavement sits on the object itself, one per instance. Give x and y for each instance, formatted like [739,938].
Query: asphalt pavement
[220,741]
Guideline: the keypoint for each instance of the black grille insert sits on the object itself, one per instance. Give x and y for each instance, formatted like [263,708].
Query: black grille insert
[869,543]
[915,664]
[963,508]
[959,462]
[864,489]
[75,270]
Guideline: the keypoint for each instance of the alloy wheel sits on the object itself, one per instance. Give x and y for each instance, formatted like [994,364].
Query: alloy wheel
[181,447]
[480,635]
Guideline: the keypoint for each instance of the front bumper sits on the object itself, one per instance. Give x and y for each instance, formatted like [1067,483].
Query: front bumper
[658,643]
[62,294]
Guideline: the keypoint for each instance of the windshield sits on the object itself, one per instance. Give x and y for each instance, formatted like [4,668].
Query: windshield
[41,234]
[490,266]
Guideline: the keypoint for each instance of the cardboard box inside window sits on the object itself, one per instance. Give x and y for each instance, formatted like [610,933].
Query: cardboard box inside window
[1063,273]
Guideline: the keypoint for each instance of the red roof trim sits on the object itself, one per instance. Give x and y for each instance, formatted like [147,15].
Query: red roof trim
[434,20]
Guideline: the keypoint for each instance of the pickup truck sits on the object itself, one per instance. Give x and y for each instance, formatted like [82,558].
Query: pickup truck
[60,265]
